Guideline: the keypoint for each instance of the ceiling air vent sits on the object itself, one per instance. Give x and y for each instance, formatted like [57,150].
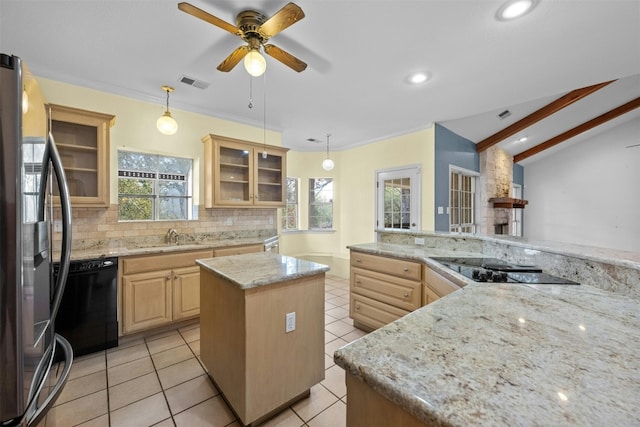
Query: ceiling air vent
[193,82]
[504,114]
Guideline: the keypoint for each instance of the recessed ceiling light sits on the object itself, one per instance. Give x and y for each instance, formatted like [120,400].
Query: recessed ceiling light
[514,9]
[417,78]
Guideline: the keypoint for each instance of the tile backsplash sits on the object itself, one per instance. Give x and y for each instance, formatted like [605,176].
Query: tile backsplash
[93,227]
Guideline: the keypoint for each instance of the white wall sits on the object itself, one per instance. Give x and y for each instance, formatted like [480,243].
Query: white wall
[588,193]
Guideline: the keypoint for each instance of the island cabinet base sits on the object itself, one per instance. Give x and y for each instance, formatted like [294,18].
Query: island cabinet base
[258,366]
[367,408]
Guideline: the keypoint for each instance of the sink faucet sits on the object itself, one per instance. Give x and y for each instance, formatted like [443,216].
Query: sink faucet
[171,236]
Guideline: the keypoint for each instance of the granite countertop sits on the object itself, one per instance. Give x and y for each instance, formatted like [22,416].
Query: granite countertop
[260,269]
[119,250]
[509,354]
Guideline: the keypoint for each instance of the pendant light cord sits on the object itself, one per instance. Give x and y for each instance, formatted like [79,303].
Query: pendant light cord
[328,135]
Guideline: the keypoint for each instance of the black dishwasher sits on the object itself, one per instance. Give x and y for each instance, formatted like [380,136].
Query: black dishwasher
[88,314]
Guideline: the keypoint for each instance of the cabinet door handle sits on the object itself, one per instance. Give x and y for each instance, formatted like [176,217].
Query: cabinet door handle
[168,276]
[176,277]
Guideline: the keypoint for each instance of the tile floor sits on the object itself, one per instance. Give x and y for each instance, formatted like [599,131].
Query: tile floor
[160,381]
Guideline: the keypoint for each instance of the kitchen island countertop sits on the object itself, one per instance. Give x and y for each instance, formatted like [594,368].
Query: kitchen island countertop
[260,269]
[509,354]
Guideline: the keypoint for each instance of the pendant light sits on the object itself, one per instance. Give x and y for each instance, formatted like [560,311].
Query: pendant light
[167,124]
[327,164]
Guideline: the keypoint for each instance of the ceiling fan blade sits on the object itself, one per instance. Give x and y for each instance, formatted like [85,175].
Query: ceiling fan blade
[284,57]
[633,145]
[205,16]
[233,59]
[285,17]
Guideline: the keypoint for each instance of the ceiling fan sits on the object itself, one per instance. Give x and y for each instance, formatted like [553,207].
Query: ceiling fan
[255,29]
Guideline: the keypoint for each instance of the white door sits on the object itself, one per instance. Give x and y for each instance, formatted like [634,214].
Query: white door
[398,198]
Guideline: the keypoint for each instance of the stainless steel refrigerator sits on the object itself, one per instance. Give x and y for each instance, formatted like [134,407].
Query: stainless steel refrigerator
[29,296]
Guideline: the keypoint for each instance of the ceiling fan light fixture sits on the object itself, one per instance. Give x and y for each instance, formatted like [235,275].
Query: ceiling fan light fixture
[514,9]
[254,63]
[166,124]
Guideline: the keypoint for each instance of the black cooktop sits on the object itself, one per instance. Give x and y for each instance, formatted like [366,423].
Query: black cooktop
[493,270]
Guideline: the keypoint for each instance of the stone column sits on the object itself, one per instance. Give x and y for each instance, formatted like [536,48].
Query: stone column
[496,176]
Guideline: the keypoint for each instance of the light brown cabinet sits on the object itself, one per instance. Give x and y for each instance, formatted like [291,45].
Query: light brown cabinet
[238,250]
[436,286]
[153,297]
[82,138]
[238,174]
[382,289]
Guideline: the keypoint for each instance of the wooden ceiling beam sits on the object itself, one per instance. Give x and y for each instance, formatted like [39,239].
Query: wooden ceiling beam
[601,119]
[536,116]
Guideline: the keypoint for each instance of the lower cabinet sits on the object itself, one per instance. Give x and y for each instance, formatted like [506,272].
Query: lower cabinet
[436,286]
[153,297]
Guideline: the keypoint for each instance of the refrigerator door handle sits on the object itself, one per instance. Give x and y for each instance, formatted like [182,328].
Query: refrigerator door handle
[41,410]
[65,205]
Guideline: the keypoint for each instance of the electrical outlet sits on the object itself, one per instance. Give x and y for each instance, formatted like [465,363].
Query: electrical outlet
[419,241]
[57,226]
[290,322]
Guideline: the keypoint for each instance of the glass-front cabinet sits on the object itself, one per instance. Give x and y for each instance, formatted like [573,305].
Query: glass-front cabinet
[82,138]
[240,173]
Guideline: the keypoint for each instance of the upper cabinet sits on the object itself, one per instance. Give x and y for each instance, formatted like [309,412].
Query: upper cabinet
[82,138]
[240,174]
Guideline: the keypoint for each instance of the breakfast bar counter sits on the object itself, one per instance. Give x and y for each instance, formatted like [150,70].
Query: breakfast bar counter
[261,318]
[501,355]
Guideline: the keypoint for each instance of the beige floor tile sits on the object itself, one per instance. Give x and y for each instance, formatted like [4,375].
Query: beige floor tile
[191,334]
[319,400]
[334,381]
[101,421]
[328,362]
[331,347]
[133,390]
[85,365]
[212,413]
[165,423]
[160,335]
[165,343]
[172,356]
[179,373]
[334,416]
[329,319]
[190,393]
[129,370]
[195,347]
[286,418]
[78,411]
[126,342]
[127,354]
[82,386]
[338,301]
[144,412]
[328,337]
[339,328]
[338,312]
[354,335]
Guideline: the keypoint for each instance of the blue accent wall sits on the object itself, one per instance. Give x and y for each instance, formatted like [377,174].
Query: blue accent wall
[518,176]
[451,149]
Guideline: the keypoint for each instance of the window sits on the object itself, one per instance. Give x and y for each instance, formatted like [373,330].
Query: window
[516,214]
[461,201]
[154,187]
[320,203]
[290,211]
[398,198]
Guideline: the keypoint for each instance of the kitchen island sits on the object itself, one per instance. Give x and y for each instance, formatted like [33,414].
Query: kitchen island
[262,330]
[501,355]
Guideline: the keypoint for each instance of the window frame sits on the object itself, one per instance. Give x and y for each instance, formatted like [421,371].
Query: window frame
[312,203]
[459,227]
[296,209]
[156,177]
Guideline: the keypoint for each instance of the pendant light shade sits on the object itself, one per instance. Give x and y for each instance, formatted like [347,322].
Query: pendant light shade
[327,164]
[167,124]
[254,63]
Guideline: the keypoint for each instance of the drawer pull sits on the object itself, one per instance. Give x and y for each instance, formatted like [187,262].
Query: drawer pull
[358,260]
[358,281]
[406,269]
[406,294]
[358,307]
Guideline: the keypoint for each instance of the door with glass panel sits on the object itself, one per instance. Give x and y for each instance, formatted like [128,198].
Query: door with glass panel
[462,191]
[398,198]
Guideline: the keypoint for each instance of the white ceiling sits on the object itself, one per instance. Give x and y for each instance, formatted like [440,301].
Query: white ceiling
[359,54]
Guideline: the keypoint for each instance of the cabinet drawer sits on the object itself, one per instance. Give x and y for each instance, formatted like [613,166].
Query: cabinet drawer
[238,250]
[402,293]
[162,262]
[397,267]
[439,284]
[372,313]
